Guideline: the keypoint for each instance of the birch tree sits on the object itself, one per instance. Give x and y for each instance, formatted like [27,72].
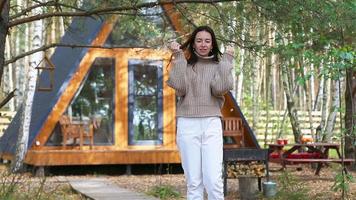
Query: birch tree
[240,78]
[335,106]
[24,131]
[292,111]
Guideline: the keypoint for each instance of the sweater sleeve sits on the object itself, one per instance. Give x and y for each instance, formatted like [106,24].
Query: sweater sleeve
[177,79]
[223,80]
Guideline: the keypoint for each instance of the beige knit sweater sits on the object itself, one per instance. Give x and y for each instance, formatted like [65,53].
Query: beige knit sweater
[200,89]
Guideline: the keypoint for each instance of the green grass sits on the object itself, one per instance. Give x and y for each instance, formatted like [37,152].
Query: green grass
[164,192]
[291,188]
[24,187]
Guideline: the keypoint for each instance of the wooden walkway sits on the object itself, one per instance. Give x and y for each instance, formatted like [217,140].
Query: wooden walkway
[103,189]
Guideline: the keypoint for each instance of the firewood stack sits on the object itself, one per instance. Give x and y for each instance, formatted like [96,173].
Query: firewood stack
[235,169]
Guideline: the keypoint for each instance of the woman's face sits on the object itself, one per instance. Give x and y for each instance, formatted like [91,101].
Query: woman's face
[203,43]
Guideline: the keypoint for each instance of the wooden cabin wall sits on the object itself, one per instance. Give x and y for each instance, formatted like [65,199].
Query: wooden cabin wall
[103,157]
[120,152]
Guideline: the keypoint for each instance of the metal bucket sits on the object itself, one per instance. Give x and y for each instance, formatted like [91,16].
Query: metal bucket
[269,189]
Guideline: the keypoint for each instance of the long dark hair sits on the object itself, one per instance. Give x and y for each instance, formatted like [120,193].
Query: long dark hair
[192,57]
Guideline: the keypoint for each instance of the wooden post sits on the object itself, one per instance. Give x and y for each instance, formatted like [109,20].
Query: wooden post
[128,170]
[39,171]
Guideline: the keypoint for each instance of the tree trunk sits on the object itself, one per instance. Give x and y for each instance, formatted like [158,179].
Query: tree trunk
[22,141]
[8,74]
[324,107]
[350,115]
[240,79]
[4,19]
[312,87]
[309,102]
[255,68]
[333,113]
[292,111]
[254,95]
[272,35]
[319,94]
[268,77]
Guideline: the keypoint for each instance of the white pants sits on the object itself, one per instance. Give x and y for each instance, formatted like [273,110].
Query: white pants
[200,143]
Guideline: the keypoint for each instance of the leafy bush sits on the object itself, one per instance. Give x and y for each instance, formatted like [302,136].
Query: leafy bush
[22,187]
[342,183]
[290,188]
[164,192]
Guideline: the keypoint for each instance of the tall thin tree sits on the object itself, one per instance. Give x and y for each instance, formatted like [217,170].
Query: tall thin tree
[22,141]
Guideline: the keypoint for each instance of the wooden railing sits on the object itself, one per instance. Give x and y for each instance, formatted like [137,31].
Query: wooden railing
[5,119]
[233,128]
[274,124]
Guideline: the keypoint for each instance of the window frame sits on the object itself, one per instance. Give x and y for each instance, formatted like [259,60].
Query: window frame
[132,63]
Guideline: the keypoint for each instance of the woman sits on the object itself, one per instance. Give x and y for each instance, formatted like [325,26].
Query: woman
[200,81]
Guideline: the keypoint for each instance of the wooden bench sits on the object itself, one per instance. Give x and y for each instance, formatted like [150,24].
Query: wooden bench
[302,155]
[320,162]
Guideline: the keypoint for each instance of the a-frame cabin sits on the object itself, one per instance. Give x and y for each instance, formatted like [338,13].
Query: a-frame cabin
[108,105]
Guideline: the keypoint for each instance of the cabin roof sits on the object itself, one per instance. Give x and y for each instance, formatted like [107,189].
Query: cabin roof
[82,31]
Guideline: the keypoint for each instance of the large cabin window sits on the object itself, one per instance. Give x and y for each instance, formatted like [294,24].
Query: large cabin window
[145,102]
[93,103]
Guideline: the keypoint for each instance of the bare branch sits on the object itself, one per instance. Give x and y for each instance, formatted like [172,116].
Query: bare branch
[53,45]
[8,98]
[49,3]
[104,11]
[29,9]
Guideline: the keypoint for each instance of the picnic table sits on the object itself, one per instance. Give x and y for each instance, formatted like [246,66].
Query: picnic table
[306,153]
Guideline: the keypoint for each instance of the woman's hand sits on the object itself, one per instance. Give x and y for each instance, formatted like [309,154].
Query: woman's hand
[174,46]
[230,49]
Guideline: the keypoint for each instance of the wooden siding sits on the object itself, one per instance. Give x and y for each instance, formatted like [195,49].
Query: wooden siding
[100,157]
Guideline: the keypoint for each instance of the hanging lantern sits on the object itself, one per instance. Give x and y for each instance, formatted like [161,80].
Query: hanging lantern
[45,75]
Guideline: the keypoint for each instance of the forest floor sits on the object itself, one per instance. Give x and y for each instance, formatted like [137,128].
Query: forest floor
[299,181]
[316,187]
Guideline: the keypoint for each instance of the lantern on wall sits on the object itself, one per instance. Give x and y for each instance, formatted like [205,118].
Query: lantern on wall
[45,75]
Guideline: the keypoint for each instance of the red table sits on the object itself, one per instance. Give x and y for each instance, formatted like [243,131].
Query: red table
[305,153]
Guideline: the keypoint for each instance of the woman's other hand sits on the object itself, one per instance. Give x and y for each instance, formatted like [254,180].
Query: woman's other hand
[174,46]
[230,49]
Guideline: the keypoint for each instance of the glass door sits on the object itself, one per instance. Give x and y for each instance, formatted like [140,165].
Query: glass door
[92,103]
[145,113]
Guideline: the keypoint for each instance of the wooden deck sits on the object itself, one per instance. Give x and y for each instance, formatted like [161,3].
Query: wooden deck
[100,157]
